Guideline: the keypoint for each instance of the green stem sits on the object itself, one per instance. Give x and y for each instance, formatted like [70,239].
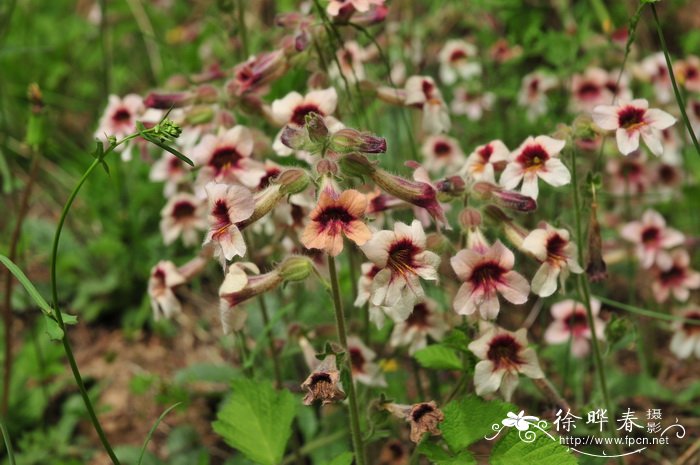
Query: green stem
[271,340]
[240,17]
[343,338]
[676,91]
[584,291]
[8,442]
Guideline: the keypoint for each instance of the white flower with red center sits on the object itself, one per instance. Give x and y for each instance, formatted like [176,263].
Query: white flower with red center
[164,277]
[441,152]
[421,92]
[170,170]
[292,110]
[590,89]
[484,276]
[674,276]
[628,175]
[228,205]
[537,157]
[335,7]
[364,369]
[533,93]
[651,236]
[688,72]
[226,158]
[403,259]
[632,119]
[336,215]
[654,69]
[485,160]
[571,324]
[504,356]
[553,247]
[184,215]
[119,120]
[472,105]
[350,58]
[423,321]
[458,59]
[686,337]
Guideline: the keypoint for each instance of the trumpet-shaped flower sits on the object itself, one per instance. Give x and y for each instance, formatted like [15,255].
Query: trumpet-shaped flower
[485,160]
[571,323]
[164,277]
[184,215]
[537,157]
[484,276]
[652,237]
[402,259]
[423,321]
[458,59]
[686,336]
[228,205]
[504,355]
[674,276]
[553,247]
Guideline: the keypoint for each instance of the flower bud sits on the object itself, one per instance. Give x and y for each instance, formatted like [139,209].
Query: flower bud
[503,198]
[418,193]
[165,101]
[326,167]
[292,181]
[355,164]
[168,129]
[256,72]
[438,243]
[296,268]
[351,140]
[294,138]
[265,201]
[199,115]
[514,232]
[316,128]
[207,93]
[596,268]
[469,218]
[450,188]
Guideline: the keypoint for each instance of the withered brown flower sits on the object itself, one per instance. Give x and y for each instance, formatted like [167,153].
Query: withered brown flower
[324,383]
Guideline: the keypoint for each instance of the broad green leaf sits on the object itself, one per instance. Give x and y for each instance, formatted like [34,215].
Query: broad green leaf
[343,459]
[28,286]
[52,329]
[438,357]
[257,420]
[440,456]
[470,419]
[513,450]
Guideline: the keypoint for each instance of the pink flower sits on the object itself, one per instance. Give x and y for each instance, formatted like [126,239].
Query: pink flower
[334,216]
[171,170]
[226,158]
[536,157]
[651,237]
[441,152]
[653,69]
[485,160]
[504,355]
[256,72]
[471,104]
[458,59]
[628,175]
[558,255]
[484,276]
[674,275]
[533,93]
[335,6]
[292,110]
[686,336]
[630,120]
[571,323]
[402,259]
[164,277]
[238,287]
[689,73]
[119,120]
[589,89]
[421,92]
[350,58]
[364,369]
[228,205]
[423,321]
[183,215]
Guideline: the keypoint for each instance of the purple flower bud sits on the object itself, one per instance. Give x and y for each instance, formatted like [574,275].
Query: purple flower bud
[351,140]
[164,101]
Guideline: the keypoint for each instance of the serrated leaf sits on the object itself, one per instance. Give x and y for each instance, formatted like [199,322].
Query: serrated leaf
[257,420]
[470,419]
[343,459]
[440,456]
[438,357]
[512,450]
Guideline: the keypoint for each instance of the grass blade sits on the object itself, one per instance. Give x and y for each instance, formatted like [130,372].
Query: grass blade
[153,429]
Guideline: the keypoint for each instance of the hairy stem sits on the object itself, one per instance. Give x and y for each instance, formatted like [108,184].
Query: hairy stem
[343,338]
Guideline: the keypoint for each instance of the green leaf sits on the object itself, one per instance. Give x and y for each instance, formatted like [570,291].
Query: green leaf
[28,286]
[512,450]
[470,419]
[257,420]
[440,456]
[152,430]
[439,357]
[343,459]
[52,329]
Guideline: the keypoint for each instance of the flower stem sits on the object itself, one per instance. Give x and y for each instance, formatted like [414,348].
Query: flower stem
[273,351]
[676,91]
[584,291]
[61,324]
[342,337]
